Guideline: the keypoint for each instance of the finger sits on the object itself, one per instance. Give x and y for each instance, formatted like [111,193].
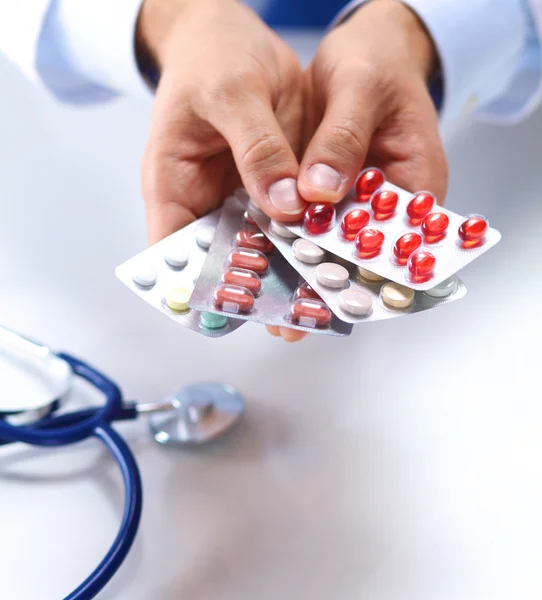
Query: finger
[291,335]
[168,181]
[312,111]
[415,158]
[264,157]
[338,149]
[289,112]
[274,331]
[179,183]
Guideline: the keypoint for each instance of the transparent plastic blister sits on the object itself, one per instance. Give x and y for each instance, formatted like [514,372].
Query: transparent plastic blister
[391,222]
[354,295]
[249,284]
[164,276]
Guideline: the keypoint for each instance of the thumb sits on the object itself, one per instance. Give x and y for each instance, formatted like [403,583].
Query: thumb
[338,149]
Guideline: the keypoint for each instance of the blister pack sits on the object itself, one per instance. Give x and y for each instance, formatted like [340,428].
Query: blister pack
[353,293]
[246,277]
[164,275]
[398,235]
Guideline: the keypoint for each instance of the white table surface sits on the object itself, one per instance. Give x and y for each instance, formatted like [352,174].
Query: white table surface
[401,463]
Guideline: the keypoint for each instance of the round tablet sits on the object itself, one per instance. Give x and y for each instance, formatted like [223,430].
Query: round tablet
[177,298]
[177,256]
[213,321]
[443,289]
[395,295]
[307,252]
[331,275]
[355,302]
[369,275]
[204,235]
[145,276]
[279,229]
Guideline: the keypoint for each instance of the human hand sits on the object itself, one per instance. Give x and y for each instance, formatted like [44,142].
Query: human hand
[229,103]
[367,103]
[228,109]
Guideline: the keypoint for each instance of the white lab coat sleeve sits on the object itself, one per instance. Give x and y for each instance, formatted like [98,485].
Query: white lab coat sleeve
[21,24]
[82,51]
[489,52]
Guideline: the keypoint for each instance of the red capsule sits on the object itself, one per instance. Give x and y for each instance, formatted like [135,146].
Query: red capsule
[354,222]
[384,204]
[434,227]
[367,184]
[472,231]
[243,278]
[233,298]
[421,265]
[421,205]
[254,240]
[305,291]
[405,245]
[369,242]
[244,258]
[310,313]
[319,217]
[249,220]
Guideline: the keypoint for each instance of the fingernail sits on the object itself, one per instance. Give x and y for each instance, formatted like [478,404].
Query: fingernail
[284,196]
[324,177]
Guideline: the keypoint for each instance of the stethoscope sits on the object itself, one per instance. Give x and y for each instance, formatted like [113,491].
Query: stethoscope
[194,415]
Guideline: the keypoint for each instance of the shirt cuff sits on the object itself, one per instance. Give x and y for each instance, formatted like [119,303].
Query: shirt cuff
[87,50]
[435,81]
[480,46]
[524,92]
[346,12]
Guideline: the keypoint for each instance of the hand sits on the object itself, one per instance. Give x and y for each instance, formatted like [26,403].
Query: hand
[368,104]
[229,104]
[228,109]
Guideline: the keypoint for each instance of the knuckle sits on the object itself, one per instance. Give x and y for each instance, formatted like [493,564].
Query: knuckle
[265,151]
[347,140]
[230,85]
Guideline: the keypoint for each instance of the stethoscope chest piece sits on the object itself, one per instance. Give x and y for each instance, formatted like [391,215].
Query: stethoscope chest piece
[201,413]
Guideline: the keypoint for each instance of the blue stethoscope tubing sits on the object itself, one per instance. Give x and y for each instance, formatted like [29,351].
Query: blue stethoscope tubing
[74,427]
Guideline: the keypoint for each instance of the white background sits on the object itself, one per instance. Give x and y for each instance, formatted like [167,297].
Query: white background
[402,463]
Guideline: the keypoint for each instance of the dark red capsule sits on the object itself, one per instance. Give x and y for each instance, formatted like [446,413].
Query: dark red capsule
[420,206]
[254,240]
[253,260]
[234,299]
[354,222]
[384,204]
[319,217]
[367,184]
[369,242]
[472,231]
[249,220]
[434,227]
[310,313]
[305,291]
[405,245]
[421,265]
[243,278]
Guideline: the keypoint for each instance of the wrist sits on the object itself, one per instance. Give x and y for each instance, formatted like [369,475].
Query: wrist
[156,23]
[420,43]
[423,45]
